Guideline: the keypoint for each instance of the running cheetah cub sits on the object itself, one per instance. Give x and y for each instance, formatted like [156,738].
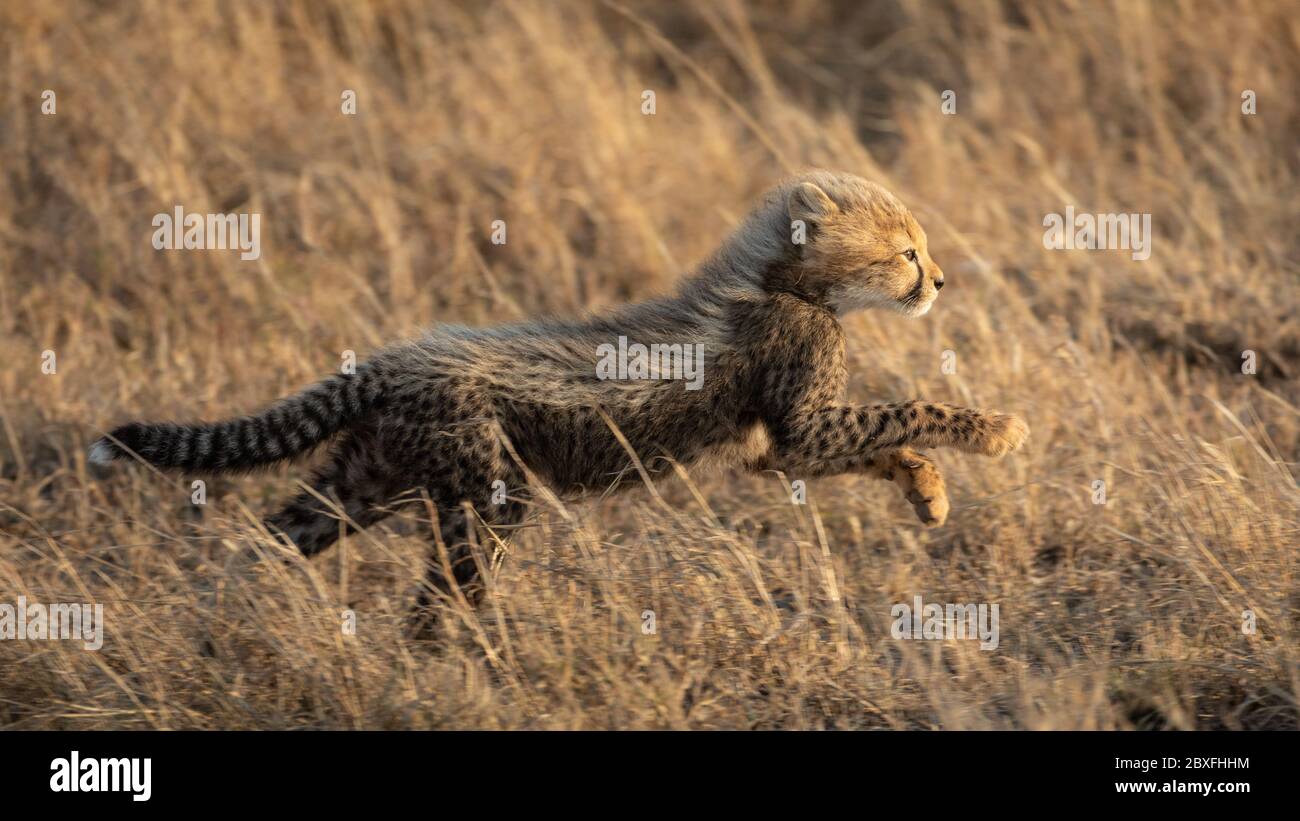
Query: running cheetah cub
[460,411]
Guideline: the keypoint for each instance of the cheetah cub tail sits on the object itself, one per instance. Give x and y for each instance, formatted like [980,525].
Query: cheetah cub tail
[288,428]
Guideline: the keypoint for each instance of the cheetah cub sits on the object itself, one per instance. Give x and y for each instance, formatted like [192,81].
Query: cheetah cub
[463,413]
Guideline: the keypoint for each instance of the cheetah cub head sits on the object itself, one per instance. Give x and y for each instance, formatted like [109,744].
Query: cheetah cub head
[863,248]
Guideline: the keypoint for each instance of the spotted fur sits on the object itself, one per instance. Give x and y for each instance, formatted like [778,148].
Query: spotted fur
[462,412]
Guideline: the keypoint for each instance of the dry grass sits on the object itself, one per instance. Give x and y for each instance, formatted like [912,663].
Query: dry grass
[769,614]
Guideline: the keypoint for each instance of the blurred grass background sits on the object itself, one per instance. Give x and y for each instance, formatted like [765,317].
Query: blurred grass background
[1126,615]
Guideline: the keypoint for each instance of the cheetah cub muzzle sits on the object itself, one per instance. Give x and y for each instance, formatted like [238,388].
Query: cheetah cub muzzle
[462,414]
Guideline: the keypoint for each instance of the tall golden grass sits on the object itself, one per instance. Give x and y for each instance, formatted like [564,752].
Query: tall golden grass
[768,614]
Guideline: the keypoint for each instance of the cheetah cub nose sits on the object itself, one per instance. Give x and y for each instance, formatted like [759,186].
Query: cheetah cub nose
[938,283]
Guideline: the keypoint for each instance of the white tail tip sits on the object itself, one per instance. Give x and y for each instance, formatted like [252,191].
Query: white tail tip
[101,453]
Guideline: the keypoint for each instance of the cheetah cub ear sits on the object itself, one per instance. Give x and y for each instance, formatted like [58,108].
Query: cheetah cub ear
[809,203]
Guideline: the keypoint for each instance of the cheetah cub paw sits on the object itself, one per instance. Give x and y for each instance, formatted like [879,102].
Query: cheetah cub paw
[1000,434]
[925,489]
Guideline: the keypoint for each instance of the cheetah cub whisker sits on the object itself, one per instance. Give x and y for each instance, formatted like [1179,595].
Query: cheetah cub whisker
[463,414]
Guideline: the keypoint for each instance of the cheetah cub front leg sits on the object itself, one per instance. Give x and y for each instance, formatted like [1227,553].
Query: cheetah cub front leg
[920,481]
[879,440]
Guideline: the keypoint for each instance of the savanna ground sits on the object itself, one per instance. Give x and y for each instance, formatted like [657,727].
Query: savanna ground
[1127,614]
